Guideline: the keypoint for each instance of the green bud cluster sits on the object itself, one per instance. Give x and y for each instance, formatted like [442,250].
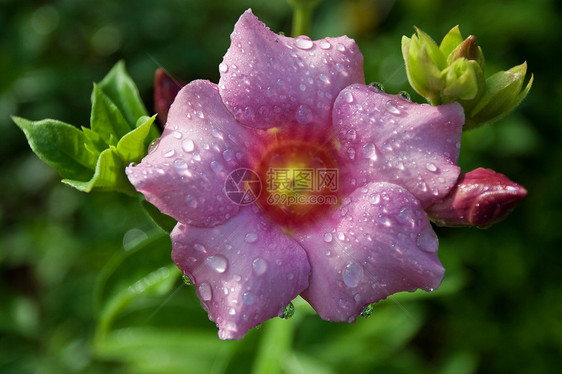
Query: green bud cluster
[454,72]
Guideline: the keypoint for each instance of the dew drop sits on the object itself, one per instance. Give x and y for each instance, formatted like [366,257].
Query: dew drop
[303,114]
[328,237]
[199,248]
[217,134]
[427,241]
[348,96]
[369,151]
[302,87]
[186,280]
[228,155]
[217,263]
[391,108]
[422,186]
[404,95]
[351,153]
[405,214]
[431,167]
[324,44]
[188,145]
[376,86]
[341,236]
[216,166]
[169,153]
[288,312]
[191,201]
[154,145]
[367,311]
[324,78]
[375,198]
[340,47]
[259,265]
[251,237]
[205,291]
[248,298]
[352,274]
[223,68]
[180,165]
[304,43]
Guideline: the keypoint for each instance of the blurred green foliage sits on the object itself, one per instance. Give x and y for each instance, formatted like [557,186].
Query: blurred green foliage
[87,285]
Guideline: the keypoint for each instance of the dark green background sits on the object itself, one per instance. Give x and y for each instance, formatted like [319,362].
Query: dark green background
[499,309]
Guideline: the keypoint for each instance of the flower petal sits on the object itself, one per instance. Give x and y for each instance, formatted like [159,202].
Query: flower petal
[377,243]
[387,138]
[246,270]
[184,175]
[270,80]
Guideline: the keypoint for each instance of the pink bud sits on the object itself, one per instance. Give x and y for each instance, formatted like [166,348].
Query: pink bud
[480,198]
[165,90]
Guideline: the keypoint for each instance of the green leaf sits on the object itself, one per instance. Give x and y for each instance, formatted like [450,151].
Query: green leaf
[133,146]
[123,92]
[93,141]
[60,145]
[451,41]
[109,175]
[106,119]
[163,221]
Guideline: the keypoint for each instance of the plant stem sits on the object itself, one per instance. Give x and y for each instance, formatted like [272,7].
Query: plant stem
[302,15]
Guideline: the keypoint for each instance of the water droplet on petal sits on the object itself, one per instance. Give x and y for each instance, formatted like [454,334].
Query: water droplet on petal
[427,241]
[391,107]
[422,186]
[205,291]
[248,298]
[324,78]
[431,167]
[228,155]
[169,153]
[186,280]
[188,145]
[251,237]
[376,86]
[180,166]
[328,237]
[199,248]
[352,274]
[216,166]
[191,201]
[348,96]
[303,114]
[404,95]
[406,214]
[223,68]
[324,44]
[154,145]
[288,312]
[375,198]
[340,47]
[260,266]
[367,311]
[369,151]
[303,42]
[217,263]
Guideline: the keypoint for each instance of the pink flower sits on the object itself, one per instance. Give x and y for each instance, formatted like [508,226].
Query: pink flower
[297,111]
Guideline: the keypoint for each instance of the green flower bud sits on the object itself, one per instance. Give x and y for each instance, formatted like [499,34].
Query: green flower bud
[503,93]
[454,72]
